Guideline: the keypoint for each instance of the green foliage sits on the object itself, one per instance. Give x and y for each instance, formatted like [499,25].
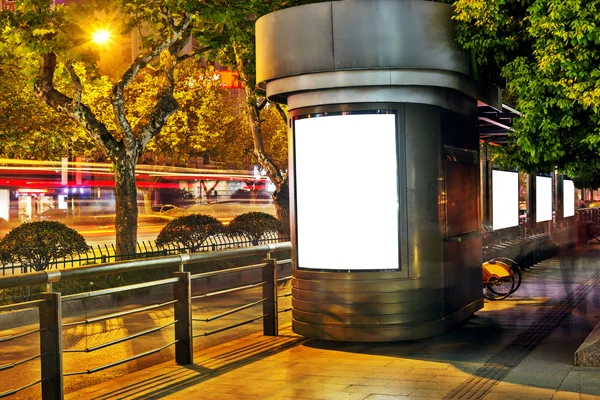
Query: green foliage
[37,244]
[28,128]
[255,225]
[206,116]
[191,231]
[547,55]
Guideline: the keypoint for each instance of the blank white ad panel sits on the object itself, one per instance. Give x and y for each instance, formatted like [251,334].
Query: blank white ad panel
[352,222]
[543,203]
[568,198]
[505,199]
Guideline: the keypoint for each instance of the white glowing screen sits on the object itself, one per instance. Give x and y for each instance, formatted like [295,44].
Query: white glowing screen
[568,198]
[505,199]
[4,204]
[353,225]
[543,197]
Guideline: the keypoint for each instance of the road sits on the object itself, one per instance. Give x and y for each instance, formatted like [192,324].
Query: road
[87,336]
[105,235]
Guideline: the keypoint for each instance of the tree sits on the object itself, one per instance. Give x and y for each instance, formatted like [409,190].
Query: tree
[546,54]
[37,244]
[228,30]
[57,34]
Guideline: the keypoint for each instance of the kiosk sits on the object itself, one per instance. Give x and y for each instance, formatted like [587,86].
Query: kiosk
[383,109]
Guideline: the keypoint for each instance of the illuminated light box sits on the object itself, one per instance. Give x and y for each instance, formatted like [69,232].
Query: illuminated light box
[543,197]
[352,224]
[568,198]
[505,199]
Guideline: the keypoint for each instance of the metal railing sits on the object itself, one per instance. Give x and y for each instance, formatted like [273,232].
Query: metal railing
[107,254]
[103,254]
[51,323]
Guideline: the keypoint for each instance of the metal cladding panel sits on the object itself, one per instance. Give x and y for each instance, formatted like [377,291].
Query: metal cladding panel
[425,241]
[357,34]
[294,41]
[396,34]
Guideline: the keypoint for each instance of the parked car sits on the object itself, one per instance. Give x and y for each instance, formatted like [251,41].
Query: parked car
[162,208]
[53,214]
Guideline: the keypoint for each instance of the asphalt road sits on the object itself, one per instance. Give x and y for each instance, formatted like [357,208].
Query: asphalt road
[86,336]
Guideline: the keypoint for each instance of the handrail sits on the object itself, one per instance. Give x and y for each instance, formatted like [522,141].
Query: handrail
[9,338]
[43,277]
[15,391]
[117,341]
[16,363]
[229,271]
[225,328]
[229,312]
[235,289]
[20,306]
[118,289]
[114,364]
[119,314]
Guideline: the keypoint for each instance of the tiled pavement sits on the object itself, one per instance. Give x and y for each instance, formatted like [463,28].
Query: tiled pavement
[519,348]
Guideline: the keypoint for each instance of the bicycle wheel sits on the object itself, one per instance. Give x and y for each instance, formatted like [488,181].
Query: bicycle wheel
[499,289]
[515,269]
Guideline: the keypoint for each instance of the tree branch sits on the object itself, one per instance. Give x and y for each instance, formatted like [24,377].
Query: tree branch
[281,113]
[118,90]
[262,104]
[82,114]
[76,83]
[164,15]
[253,113]
[192,54]
[151,123]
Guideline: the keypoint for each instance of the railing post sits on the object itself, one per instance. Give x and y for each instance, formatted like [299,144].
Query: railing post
[51,346]
[184,348]
[270,307]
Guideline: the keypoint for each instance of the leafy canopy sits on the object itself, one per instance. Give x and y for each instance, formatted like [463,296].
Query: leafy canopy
[546,53]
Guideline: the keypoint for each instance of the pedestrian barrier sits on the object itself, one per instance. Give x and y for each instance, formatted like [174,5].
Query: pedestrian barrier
[51,322]
[106,254]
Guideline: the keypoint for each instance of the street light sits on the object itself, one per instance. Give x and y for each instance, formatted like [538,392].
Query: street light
[101,37]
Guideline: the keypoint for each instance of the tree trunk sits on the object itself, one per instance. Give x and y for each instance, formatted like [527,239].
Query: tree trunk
[126,204]
[253,109]
[281,199]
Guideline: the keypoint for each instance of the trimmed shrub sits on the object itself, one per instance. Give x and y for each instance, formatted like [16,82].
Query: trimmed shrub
[37,244]
[254,225]
[190,231]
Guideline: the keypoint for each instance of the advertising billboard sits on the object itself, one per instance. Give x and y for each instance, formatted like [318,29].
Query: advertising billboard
[543,196]
[505,199]
[568,198]
[351,222]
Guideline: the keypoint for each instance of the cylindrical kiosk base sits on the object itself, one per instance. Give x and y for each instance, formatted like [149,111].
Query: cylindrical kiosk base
[351,293]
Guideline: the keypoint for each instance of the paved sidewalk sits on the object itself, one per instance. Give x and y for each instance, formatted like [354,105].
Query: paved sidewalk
[519,348]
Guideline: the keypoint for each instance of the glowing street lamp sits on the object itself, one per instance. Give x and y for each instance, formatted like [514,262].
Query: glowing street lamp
[101,37]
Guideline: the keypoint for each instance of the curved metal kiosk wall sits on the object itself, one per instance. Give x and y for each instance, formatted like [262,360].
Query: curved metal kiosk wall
[384,166]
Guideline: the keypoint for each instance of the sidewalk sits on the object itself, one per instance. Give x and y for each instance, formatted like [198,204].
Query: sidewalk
[519,348]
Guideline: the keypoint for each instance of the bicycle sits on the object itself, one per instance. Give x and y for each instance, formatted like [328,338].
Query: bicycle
[498,280]
[501,277]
